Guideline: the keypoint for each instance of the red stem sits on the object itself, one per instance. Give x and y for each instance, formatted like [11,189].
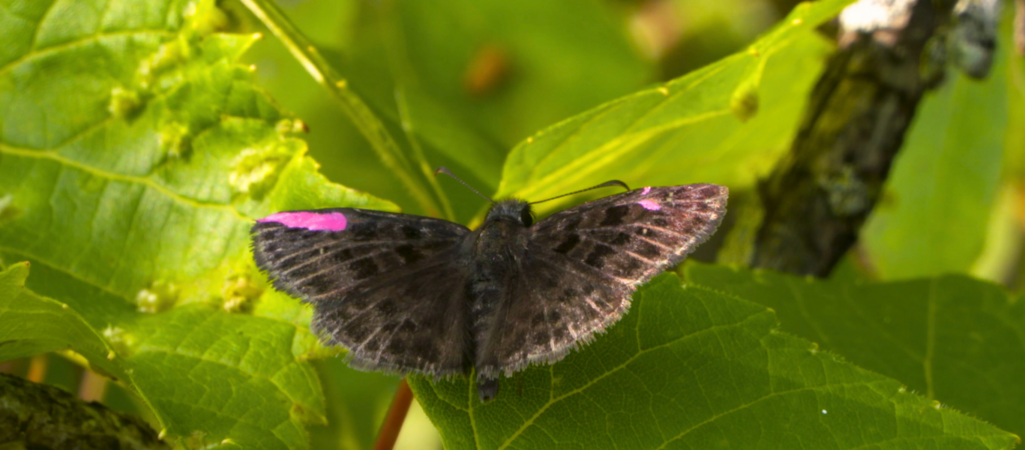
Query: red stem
[396,416]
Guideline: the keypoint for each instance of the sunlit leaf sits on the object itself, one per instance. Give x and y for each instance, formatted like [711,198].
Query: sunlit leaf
[134,154]
[34,324]
[691,129]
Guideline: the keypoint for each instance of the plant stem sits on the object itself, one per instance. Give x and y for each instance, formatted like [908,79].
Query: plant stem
[396,416]
[365,120]
[93,386]
[37,366]
[428,171]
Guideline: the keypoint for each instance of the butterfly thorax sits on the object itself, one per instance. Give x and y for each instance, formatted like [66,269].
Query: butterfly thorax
[501,237]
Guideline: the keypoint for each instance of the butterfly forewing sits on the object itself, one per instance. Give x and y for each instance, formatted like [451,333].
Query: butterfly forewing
[367,274]
[584,263]
[321,253]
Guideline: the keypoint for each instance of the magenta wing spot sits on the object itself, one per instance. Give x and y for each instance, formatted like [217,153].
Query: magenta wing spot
[646,190]
[650,205]
[333,221]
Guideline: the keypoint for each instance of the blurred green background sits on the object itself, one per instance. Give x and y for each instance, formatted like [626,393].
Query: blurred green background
[474,78]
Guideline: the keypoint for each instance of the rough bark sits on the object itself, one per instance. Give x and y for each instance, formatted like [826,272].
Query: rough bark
[42,416]
[890,53]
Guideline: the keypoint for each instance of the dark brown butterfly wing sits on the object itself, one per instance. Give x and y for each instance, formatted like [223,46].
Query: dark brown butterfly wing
[386,286]
[584,263]
[411,319]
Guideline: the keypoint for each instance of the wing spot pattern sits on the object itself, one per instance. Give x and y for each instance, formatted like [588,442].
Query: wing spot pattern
[567,245]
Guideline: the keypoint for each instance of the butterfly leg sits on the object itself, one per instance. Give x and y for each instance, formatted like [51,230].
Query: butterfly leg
[487,389]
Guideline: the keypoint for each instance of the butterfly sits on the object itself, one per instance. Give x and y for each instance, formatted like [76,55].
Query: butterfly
[405,293]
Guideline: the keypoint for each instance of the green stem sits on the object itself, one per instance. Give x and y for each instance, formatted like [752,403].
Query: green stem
[360,114]
[425,167]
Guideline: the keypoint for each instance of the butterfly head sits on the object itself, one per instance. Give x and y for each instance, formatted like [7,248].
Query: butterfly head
[511,211]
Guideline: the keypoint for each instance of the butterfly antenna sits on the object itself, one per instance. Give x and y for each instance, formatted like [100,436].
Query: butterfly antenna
[445,171]
[605,184]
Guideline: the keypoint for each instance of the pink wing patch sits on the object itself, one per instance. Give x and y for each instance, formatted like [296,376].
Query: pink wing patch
[334,221]
[650,205]
[646,190]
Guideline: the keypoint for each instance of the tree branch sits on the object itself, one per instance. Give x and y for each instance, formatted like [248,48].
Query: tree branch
[891,53]
[42,416]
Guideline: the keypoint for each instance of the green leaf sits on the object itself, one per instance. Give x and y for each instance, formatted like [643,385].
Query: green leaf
[947,175]
[410,171]
[134,153]
[33,324]
[690,129]
[226,376]
[951,338]
[694,368]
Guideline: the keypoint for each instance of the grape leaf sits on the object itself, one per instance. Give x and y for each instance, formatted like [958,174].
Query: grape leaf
[694,122]
[34,324]
[948,175]
[953,338]
[689,367]
[134,153]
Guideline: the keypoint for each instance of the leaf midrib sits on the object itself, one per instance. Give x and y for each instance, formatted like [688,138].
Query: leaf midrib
[38,53]
[132,179]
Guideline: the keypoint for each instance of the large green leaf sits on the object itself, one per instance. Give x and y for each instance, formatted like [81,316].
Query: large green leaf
[692,128]
[947,175]
[33,324]
[694,368]
[954,339]
[134,153]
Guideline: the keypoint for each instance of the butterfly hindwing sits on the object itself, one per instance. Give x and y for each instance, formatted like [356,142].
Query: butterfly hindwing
[381,283]
[584,263]
[548,308]
[410,319]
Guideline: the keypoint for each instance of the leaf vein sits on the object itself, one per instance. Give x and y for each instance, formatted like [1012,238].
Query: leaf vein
[70,44]
[614,370]
[134,179]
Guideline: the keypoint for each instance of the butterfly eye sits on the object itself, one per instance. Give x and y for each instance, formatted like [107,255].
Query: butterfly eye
[526,218]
